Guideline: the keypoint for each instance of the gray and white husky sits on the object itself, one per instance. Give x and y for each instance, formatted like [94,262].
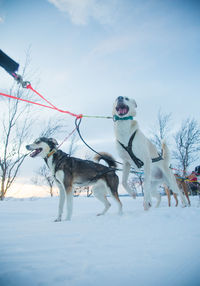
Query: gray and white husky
[70,172]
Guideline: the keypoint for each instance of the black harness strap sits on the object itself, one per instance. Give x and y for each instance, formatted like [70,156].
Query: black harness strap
[159,158]
[128,149]
[135,159]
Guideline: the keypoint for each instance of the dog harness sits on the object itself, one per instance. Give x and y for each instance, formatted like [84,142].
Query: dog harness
[135,159]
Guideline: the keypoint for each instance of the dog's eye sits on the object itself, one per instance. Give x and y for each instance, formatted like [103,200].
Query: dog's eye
[126,98]
[37,141]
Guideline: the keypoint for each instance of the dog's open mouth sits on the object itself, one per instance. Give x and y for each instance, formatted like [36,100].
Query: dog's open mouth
[122,109]
[35,152]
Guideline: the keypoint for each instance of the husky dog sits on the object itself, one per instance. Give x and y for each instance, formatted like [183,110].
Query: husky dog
[70,172]
[137,151]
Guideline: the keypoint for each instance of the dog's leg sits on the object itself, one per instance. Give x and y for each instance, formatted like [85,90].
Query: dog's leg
[147,185]
[69,195]
[61,202]
[171,183]
[155,193]
[125,174]
[112,184]
[99,191]
[106,203]
[176,199]
[167,191]
[116,197]
[65,181]
[185,189]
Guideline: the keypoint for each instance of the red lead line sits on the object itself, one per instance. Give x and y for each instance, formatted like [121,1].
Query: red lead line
[14,97]
[43,105]
[30,87]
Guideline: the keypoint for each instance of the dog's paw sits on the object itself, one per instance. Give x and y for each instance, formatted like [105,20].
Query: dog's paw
[99,214]
[57,219]
[147,206]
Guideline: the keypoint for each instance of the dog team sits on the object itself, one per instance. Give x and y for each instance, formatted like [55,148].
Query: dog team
[134,149]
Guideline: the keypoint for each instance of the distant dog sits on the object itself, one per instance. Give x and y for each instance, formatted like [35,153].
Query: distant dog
[183,188]
[70,172]
[182,184]
[168,193]
[137,151]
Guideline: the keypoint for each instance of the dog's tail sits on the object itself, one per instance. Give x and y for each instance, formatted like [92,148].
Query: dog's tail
[107,158]
[165,152]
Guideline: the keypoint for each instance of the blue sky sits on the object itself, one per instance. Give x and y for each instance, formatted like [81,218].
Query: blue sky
[88,52]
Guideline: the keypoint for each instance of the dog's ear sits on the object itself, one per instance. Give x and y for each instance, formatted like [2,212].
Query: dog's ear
[54,141]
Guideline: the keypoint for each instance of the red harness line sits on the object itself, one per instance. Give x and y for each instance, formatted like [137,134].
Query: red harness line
[43,105]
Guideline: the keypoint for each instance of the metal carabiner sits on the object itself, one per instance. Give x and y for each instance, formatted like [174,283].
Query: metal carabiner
[25,84]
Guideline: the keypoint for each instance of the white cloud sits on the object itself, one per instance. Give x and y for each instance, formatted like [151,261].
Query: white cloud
[80,11]
[1,20]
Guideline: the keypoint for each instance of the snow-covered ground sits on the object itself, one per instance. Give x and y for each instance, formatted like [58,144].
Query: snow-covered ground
[157,247]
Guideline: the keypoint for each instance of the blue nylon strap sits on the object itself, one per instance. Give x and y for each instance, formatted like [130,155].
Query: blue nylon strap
[115,118]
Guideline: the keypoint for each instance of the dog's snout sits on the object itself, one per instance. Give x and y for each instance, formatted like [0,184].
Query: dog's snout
[120,98]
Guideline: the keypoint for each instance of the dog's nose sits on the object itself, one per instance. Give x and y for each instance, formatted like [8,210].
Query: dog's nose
[120,98]
[27,147]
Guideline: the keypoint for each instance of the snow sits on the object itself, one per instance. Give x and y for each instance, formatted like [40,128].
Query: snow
[157,247]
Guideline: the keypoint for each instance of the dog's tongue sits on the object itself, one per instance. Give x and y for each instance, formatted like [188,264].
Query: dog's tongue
[122,111]
[35,152]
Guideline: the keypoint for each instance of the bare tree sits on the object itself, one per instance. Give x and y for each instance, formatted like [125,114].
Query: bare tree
[15,123]
[73,147]
[137,178]
[161,129]
[45,176]
[187,141]
[52,126]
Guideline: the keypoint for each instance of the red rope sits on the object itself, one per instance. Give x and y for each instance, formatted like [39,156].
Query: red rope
[36,103]
[32,102]
[30,87]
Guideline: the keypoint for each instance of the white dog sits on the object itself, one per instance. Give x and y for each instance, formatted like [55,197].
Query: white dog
[137,151]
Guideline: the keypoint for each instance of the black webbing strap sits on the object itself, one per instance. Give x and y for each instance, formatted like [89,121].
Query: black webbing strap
[135,159]
[128,149]
[7,63]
